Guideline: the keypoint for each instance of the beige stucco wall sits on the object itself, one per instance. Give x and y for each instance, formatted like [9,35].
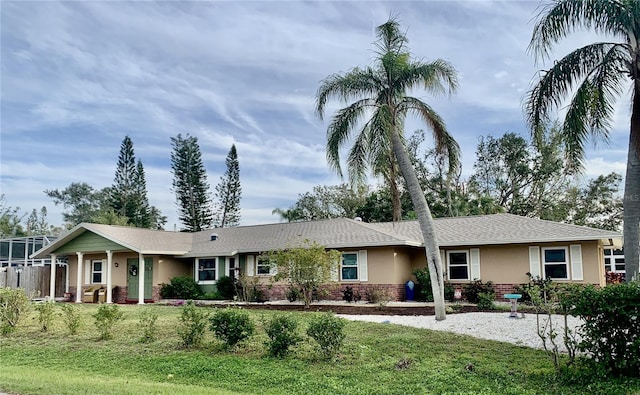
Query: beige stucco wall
[505,264]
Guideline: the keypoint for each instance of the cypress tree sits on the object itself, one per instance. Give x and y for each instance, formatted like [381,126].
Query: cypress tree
[142,215]
[228,193]
[128,195]
[123,199]
[190,184]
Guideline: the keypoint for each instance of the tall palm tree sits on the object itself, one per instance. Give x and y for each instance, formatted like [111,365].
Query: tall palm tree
[382,103]
[595,76]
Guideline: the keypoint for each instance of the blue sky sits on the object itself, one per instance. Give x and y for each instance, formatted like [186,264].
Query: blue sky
[77,77]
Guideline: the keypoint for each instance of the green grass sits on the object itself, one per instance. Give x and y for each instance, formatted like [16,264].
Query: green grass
[32,362]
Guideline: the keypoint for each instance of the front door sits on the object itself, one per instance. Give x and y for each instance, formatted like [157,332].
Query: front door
[132,278]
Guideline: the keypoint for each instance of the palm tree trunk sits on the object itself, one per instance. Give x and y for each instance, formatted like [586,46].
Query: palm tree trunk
[426,224]
[631,202]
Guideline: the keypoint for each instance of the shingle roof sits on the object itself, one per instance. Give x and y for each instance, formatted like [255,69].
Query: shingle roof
[339,233]
[498,229]
[332,233]
[145,241]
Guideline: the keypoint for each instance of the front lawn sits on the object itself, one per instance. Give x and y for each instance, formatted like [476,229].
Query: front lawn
[376,359]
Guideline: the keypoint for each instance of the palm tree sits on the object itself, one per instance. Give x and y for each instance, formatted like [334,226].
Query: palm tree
[595,75]
[380,94]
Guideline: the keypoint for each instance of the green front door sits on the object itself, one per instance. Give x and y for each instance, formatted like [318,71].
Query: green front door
[132,278]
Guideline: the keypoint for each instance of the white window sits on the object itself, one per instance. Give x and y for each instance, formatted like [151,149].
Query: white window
[263,267]
[555,263]
[207,270]
[458,264]
[97,270]
[614,260]
[349,266]
[231,267]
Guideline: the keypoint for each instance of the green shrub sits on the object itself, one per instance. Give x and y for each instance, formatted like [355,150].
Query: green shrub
[14,304]
[71,318]
[282,333]
[193,323]
[147,326]
[45,315]
[106,318]
[212,296]
[425,292]
[226,287]
[328,332]
[182,287]
[485,301]
[475,288]
[449,292]
[611,329]
[231,325]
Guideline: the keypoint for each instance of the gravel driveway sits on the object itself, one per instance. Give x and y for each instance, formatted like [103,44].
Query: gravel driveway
[492,326]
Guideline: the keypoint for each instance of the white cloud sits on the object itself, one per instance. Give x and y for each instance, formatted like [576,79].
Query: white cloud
[79,76]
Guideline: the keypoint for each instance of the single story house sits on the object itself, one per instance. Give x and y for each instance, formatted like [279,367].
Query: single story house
[132,263]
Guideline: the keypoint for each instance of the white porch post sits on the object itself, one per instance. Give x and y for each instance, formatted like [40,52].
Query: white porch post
[79,278]
[52,284]
[109,270]
[140,279]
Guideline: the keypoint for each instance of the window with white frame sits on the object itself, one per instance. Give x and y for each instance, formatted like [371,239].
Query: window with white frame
[458,265]
[555,263]
[97,270]
[263,267]
[614,260]
[231,266]
[207,269]
[349,266]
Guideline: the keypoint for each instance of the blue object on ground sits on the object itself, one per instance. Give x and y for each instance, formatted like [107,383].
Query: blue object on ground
[410,290]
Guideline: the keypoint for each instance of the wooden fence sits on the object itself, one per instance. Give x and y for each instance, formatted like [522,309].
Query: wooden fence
[35,280]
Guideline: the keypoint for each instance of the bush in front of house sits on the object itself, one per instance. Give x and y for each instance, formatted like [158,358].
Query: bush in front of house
[328,332]
[473,290]
[193,323]
[425,292]
[147,326]
[181,287]
[45,315]
[282,333]
[611,330]
[226,287]
[71,318]
[231,325]
[14,304]
[485,301]
[106,318]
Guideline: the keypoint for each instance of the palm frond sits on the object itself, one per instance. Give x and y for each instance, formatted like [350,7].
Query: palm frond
[592,107]
[559,19]
[355,84]
[357,160]
[340,128]
[445,144]
[436,77]
[390,38]
[558,82]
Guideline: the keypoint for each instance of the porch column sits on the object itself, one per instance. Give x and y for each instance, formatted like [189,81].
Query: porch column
[109,270]
[52,283]
[140,279]
[79,278]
